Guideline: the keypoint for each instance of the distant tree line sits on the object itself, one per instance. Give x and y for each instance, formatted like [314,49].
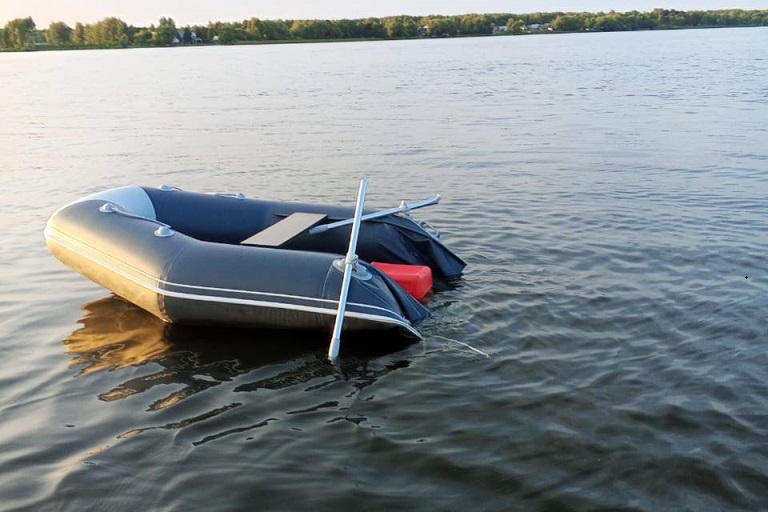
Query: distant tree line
[656,19]
[22,33]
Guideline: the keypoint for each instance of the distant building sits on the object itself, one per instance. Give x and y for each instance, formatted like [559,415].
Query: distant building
[499,28]
[180,38]
[537,27]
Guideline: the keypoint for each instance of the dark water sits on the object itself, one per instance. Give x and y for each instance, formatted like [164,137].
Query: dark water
[607,190]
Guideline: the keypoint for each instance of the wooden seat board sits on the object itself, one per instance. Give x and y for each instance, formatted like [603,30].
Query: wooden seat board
[282,231]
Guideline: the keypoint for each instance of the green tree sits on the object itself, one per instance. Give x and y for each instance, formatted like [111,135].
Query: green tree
[166,32]
[78,34]
[91,34]
[232,34]
[373,28]
[315,29]
[214,29]
[475,24]
[58,33]
[400,26]
[394,27]
[567,23]
[107,32]
[349,29]
[515,26]
[275,30]
[143,36]
[609,22]
[254,28]
[19,33]
[112,31]
[443,26]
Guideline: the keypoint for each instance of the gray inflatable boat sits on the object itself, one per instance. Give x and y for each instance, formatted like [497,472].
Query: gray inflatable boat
[223,259]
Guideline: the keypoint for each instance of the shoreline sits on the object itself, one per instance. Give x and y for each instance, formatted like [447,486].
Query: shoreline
[71,47]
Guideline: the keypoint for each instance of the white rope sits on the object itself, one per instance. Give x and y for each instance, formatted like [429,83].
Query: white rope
[470,347]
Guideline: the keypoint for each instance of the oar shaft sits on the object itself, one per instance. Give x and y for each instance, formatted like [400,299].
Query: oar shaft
[404,207]
[349,261]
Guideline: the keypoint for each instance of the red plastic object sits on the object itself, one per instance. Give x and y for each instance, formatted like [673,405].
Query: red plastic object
[415,279]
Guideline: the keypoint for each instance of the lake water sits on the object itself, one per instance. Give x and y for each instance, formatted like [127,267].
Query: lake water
[608,192]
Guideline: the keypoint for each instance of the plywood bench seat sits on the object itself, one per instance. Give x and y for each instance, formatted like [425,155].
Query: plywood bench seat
[286,229]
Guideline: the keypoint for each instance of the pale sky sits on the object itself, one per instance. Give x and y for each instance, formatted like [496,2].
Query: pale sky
[190,12]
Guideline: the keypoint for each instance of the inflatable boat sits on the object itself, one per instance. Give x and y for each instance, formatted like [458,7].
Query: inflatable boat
[193,258]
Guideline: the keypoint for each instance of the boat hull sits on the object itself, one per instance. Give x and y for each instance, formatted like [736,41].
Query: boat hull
[182,279]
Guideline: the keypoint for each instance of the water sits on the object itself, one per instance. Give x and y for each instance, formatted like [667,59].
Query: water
[607,190]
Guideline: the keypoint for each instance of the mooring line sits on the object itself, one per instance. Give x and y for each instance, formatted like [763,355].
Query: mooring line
[470,347]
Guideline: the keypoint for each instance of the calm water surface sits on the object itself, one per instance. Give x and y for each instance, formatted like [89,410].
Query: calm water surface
[607,190]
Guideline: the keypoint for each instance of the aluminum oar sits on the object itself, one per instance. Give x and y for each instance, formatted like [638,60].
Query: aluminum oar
[349,262]
[403,208]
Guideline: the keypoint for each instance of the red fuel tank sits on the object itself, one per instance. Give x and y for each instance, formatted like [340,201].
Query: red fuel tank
[415,279]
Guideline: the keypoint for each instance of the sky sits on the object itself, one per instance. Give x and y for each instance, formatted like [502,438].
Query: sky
[190,12]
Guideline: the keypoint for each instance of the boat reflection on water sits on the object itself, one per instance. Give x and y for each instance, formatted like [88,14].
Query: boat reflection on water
[116,335]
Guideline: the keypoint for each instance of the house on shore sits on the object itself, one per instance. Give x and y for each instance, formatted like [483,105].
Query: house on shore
[193,39]
[538,27]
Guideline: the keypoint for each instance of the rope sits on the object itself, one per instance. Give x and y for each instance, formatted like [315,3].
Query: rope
[470,347]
